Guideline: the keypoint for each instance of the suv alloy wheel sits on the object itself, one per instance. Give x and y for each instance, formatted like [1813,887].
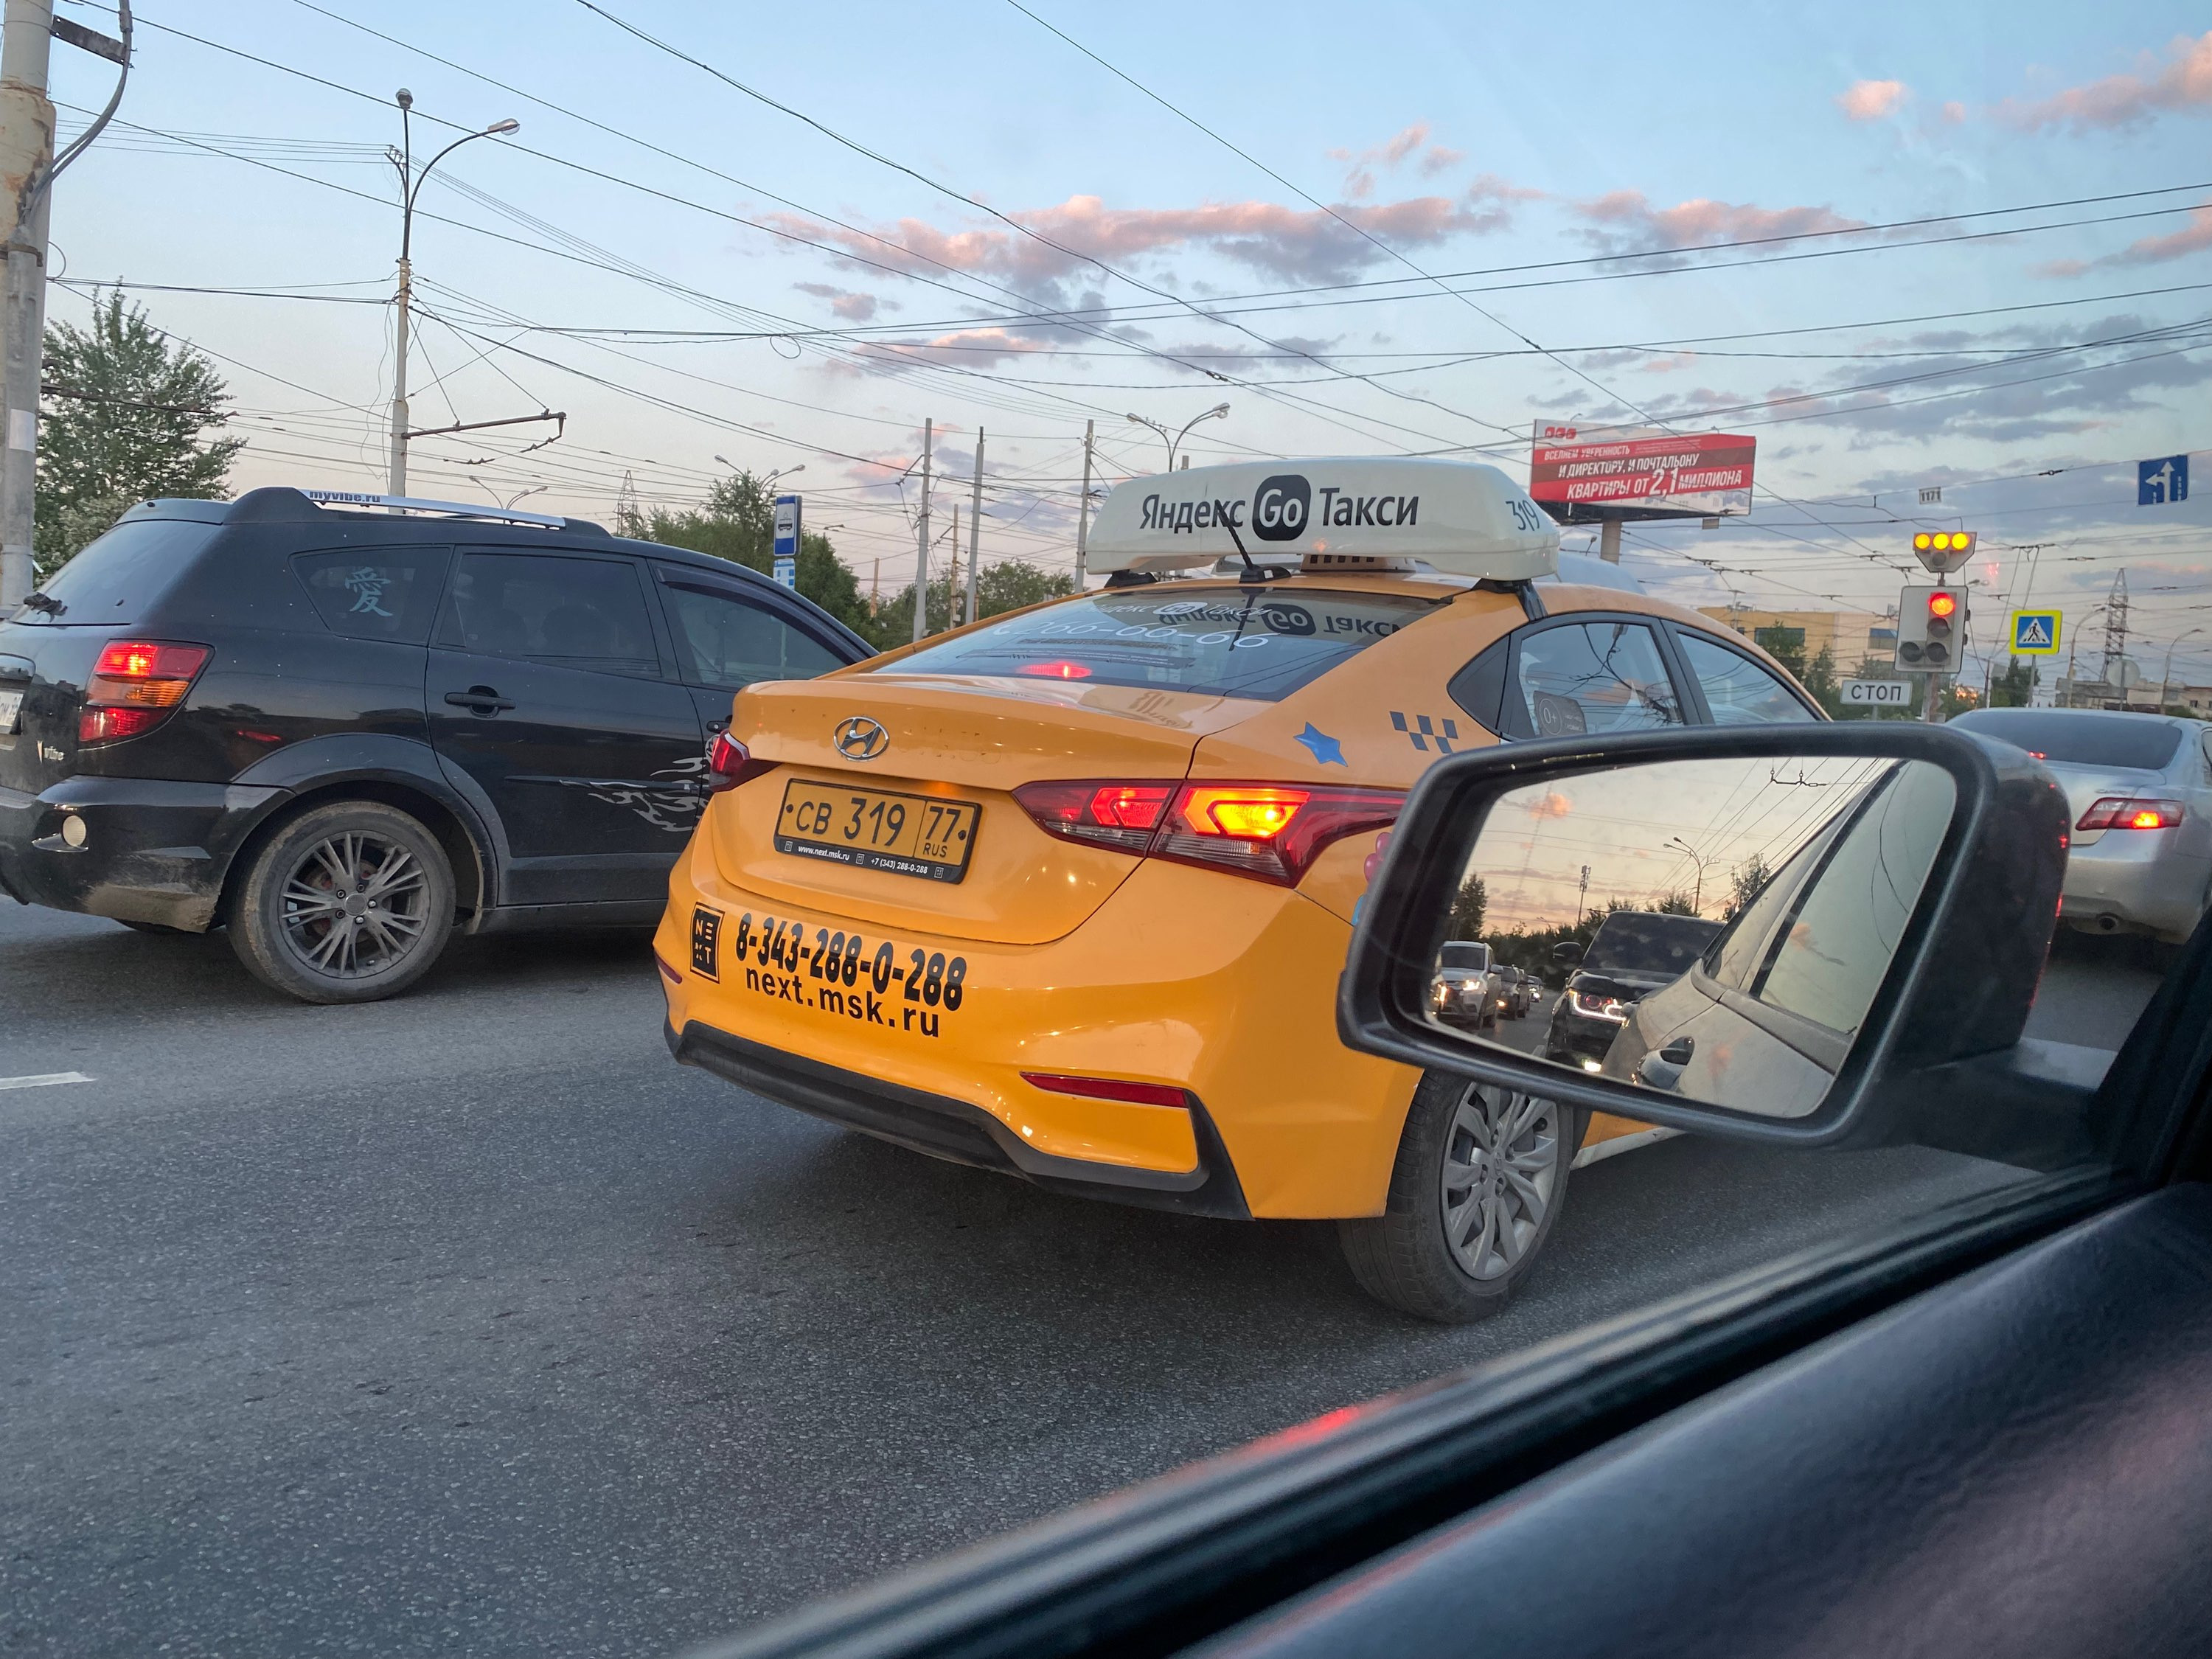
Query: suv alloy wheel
[348,902]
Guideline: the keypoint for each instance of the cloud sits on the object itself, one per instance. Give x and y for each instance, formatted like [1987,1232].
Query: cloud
[2195,237]
[1625,219]
[1550,805]
[1290,243]
[852,308]
[2182,83]
[1870,100]
[1955,112]
[1362,165]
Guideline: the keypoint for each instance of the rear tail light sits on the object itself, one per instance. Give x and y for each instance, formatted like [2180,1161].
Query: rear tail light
[730,763]
[2131,812]
[1271,831]
[1108,1087]
[134,686]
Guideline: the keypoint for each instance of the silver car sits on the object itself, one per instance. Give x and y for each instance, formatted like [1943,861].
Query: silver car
[1464,991]
[2140,788]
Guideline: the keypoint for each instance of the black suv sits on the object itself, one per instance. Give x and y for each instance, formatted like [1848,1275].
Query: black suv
[1634,953]
[344,732]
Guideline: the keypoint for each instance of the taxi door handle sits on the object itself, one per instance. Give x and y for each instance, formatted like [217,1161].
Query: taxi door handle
[478,700]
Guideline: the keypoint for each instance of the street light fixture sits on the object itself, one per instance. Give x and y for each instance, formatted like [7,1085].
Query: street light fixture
[1697,898]
[1175,441]
[2166,673]
[410,183]
[534,490]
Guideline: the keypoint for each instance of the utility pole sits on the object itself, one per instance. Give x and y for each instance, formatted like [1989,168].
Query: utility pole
[1582,894]
[876,588]
[1609,541]
[952,577]
[2116,631]
[26,152]
[1083,510]
[975,527]
[921,540]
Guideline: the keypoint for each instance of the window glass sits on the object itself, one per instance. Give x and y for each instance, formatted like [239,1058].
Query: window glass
[1464,958]
[116,579]
[727,641]
[378,593]
[1844,936]
[1232,642]
[1737,689]
[2079,737]
[578,613]
[1598,676]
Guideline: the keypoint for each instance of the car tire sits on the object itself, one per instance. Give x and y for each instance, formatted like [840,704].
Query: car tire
[296,929]
[1436,1250]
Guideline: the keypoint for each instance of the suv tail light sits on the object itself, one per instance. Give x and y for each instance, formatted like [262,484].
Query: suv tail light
[134,686]
[1270,832]
[730,763]
[2131,812]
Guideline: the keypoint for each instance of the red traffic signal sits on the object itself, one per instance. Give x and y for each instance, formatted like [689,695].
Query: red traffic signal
[1942,605]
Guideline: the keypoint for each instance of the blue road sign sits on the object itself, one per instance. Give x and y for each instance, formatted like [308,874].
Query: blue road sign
[789,521]
[2163,481]
[2035,633]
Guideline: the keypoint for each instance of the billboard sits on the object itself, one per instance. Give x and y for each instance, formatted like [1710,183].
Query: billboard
[1582,474]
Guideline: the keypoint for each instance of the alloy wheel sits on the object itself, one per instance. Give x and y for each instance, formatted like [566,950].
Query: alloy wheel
[1503,1155]
[356,905]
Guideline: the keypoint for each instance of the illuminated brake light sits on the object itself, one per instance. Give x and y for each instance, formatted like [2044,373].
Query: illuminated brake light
[1055,670]
[1270,832]
[135,685]
[1108,1087]
[2128,812]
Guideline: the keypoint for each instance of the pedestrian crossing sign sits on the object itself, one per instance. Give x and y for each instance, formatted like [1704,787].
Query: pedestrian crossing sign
[2035,633]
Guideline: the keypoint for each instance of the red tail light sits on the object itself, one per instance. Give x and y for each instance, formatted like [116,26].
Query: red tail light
[1271,831]
[2128,812]
[134,686]
[730,763]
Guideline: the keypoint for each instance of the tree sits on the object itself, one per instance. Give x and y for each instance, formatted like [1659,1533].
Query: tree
[127,422]
[1676,904]
[1745,882]
[1819,679]
[737,522]
[1009,584]
[1468,906]
[2015,687]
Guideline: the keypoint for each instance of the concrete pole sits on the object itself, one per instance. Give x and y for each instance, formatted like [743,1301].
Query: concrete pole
[1609,541]
[974,527]
[952,576]
[1083,511]
[27,149]
[396,473]
[921,540]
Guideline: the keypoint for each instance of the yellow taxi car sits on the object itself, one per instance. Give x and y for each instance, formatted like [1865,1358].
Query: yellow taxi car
[1066,893]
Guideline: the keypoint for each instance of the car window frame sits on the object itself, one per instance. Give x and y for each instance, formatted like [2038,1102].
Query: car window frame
[1512,714]
[670,573]
[663,644]
[1783,679]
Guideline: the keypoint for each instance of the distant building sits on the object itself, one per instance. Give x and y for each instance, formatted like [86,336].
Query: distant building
[1849,636]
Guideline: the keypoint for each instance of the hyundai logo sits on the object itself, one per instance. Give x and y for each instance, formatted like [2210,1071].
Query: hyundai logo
[862,739]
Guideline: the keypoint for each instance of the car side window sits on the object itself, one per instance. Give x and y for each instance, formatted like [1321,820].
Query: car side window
[727,641]
[1738,691]
[376,594]
[571,613]
[1591,677]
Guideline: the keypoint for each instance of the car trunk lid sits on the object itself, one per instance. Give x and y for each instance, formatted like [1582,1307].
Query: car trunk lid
[967,738]
[44,670]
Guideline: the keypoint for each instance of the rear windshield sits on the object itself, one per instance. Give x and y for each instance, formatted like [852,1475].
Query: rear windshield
[2079,738]
[1467,958]
[1230,642]
[1636,943]
[118,577]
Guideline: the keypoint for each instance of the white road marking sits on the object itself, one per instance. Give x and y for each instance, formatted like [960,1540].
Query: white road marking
[45,1080]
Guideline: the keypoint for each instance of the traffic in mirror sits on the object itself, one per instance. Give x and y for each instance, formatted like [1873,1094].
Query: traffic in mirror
[1736,930]
[1716,929]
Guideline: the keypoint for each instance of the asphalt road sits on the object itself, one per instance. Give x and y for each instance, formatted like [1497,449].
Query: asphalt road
[470,1324]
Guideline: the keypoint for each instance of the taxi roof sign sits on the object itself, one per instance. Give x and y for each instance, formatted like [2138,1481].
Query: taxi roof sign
[1344,512]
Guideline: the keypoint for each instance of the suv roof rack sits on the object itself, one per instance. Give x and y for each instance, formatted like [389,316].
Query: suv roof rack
[457,509]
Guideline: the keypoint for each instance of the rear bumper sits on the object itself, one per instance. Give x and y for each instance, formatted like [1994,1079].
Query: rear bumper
[152,850]
[2135,880]
[956,1132]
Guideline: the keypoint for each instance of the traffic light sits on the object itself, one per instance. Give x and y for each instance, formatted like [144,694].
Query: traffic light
[1943,550]
[1931,628]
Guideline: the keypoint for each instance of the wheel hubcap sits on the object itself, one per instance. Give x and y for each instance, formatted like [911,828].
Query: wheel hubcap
[1501,1170]
[355,904]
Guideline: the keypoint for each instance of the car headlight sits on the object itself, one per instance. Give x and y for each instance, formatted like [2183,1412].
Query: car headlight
[1600,1007]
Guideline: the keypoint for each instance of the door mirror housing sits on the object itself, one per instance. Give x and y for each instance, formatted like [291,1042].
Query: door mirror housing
[1782,922]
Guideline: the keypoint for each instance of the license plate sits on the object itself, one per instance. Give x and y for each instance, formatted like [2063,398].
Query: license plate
[11,705]
[923,836]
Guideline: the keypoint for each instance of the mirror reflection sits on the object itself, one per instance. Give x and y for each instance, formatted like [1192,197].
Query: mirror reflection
[1716,929]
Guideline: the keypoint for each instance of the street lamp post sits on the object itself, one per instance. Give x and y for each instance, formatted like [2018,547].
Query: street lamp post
[2166,673]
[1175,441]
[410,182]
[782,472]
[1697,898]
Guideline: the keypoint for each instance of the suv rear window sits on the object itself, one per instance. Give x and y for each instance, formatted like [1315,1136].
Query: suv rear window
[117,578]
[1641,943]
[1464,958]
[2079,738]
[1229,642]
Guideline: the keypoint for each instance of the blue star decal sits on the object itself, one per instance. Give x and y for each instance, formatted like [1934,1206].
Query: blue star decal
[1324,748]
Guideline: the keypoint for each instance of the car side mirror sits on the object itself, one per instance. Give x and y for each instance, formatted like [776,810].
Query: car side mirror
[1779,919]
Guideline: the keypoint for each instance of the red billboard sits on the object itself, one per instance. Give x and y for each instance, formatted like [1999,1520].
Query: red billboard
[1638,472]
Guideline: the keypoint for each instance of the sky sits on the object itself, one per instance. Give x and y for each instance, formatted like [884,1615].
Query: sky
[1968,247]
